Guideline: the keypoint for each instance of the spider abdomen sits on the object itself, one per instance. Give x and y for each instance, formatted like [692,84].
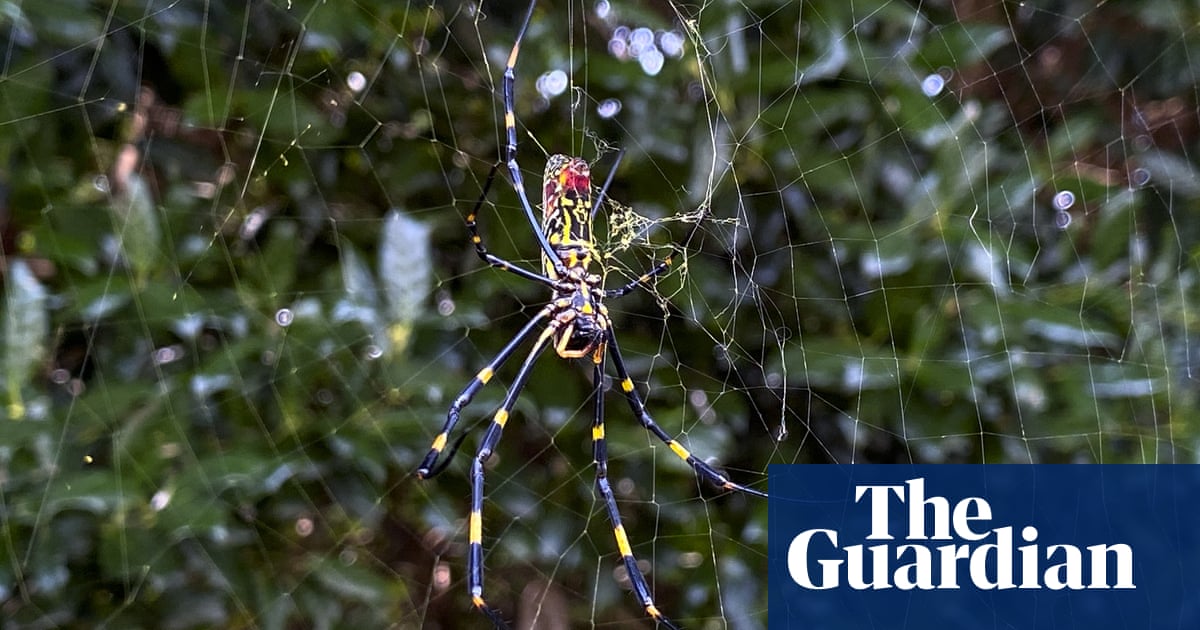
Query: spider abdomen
[567,211]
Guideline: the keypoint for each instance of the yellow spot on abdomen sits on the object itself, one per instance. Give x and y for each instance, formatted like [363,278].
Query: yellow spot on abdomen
[679,450]
[439,442]
[598,433]
[626,385]
[501,417]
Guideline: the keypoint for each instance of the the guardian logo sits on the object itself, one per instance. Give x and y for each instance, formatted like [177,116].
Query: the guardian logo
[1028,547]
[948,546]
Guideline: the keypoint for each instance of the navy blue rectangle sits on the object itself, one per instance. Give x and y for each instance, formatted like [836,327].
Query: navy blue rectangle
[1141,522]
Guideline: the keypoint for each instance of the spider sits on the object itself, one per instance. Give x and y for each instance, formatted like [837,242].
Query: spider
[575,323]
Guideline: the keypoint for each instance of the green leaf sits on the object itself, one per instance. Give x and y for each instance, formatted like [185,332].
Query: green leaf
[360,299]
[26,327]
[841,365]
[97,493]
[961,44]
[405,271]
[135,221]
[351,581]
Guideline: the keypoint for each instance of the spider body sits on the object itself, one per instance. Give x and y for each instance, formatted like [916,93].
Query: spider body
[582,322]
[567,209]
[567,219]
[576,324]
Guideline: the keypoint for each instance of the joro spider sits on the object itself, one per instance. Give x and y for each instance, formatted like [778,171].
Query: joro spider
[575,322]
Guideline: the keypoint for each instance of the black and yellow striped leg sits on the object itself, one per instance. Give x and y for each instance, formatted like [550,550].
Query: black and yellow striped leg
[510,149]
[655,271]
[481,249]
[639,409]
[600,454]
[429,466]
[662,265]
[490,439]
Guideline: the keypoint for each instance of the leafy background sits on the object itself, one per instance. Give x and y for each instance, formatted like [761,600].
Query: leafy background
[238,297]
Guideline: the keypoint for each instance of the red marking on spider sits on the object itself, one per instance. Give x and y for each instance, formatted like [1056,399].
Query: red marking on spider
[576,176]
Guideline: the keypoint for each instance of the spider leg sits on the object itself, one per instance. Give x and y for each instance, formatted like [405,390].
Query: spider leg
[655,271]
[429,466]
[639,409]
[662,266]
[490,439]
[481,249]
[510,149]
[659,268]
[612,171]
[600,454]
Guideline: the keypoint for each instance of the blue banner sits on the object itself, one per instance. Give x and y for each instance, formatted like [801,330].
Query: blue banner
[988,546]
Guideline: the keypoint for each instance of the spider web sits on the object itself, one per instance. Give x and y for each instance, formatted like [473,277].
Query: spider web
[239,299]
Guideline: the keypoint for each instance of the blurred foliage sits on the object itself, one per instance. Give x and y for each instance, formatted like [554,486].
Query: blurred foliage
[238,297]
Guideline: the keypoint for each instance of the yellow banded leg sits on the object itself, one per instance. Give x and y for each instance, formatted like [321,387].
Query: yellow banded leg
[655,271]
[600,454]
[481,249]
[702,469]
[490,439]
[510,149]
[429,466]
